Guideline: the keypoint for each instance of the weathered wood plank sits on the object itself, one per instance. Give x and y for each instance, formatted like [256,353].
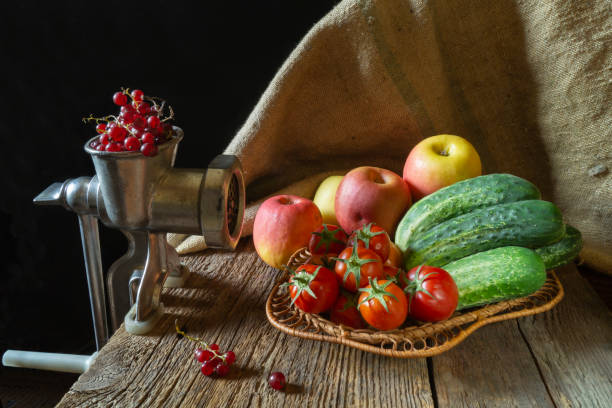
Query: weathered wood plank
[224,302]
[572,345]
[491,368]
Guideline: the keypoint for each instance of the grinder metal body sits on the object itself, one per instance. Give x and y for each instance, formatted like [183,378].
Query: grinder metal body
[145,197]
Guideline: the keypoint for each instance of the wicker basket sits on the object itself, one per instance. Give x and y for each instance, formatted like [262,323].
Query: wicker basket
[413,339]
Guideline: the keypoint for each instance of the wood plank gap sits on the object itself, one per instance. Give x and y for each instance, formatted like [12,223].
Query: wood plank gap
[364,362]
[337,374]
[432,381]
[537,363]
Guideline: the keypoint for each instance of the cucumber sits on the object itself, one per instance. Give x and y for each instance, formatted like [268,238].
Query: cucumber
[530,223]
[461,198]
[497,274]
[562,251]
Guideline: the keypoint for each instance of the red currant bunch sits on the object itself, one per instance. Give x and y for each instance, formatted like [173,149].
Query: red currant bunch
[142,124]
[212,360]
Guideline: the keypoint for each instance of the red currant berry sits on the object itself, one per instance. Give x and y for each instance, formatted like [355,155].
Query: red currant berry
[208,368]
[119,98]
[153,122]
[118,133]
[198,355]
[126,108]
[128,117]
[214,347]
[139,122]
[136,132]
[230,357]
[101,127]
[132,144]
[100,147]
[277,380]
[143,108]
[148,137]
[137,95]
[113,147]
[222,370]
[215,361]
[203,355]
[105,139]
[148,149]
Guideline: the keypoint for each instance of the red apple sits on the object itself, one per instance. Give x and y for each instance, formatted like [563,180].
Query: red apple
[371,194]
[440,161]
[283,224]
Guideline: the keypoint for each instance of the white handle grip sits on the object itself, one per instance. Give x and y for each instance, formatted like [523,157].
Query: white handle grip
[67,363]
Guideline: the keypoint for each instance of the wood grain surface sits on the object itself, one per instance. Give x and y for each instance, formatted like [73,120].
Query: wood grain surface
[553,359]
[572,345]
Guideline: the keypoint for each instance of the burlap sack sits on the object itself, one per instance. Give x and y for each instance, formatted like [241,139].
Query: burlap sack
[528,83]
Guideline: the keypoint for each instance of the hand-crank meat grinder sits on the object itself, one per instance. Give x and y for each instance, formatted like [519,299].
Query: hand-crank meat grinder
[145,197]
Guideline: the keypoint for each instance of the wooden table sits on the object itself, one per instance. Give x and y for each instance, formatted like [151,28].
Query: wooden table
[559,358]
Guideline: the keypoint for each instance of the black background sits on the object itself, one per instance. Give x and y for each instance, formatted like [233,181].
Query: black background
[62,61]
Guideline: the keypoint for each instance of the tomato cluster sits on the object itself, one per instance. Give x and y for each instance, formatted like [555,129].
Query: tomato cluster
[359,280]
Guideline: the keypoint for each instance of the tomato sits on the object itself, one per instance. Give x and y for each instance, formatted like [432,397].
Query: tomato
[432,293]
[327,239]
[373,237]
[353,268]
[383,305]
[345,311]
[313,288]
[395,256]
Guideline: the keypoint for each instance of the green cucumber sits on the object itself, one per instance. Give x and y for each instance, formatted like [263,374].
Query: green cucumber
[530,223]
[461,198]
[562,251]
[497,274]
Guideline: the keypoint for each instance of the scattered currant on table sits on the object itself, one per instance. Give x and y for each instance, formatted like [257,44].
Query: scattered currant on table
[213,361]
[277,380]
[142,125]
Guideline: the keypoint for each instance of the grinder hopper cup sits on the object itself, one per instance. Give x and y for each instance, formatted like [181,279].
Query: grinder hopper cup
[145,197]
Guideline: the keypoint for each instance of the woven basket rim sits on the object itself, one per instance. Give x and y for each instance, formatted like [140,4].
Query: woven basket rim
[414,341]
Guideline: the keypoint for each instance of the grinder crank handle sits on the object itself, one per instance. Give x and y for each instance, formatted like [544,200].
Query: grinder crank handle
[90,238]
[77,195]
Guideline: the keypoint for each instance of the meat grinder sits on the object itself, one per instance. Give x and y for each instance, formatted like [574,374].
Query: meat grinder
[146,197]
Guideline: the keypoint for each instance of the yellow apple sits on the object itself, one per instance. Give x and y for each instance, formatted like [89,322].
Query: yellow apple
[440,161]
[325,198]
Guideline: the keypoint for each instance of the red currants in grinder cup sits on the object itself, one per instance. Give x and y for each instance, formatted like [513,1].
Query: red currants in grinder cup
[141,125]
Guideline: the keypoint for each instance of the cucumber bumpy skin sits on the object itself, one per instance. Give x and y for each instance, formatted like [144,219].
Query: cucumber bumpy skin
[461,198]
[530,223]
[562,251]
[497,274]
